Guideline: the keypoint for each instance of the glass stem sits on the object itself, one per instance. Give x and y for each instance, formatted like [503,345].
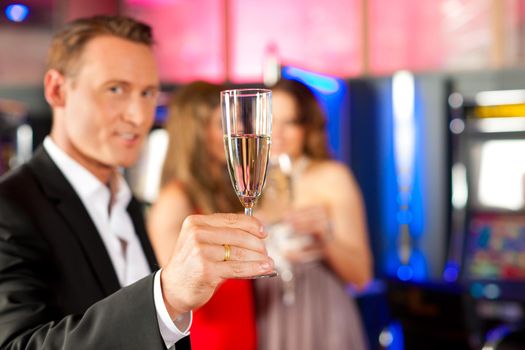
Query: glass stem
[248,211]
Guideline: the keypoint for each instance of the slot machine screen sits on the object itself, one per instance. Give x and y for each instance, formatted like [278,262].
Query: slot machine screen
[497,175]
[495,247]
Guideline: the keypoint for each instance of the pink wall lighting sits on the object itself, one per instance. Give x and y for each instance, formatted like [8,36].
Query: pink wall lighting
[189,35]
[323,36]
[403,34]
[429,35]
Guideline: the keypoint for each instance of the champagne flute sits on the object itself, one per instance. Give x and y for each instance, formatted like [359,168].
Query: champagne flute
[247,128]
[247,124]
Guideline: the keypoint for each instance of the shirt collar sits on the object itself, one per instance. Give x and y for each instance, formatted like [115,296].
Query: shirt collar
[83,181]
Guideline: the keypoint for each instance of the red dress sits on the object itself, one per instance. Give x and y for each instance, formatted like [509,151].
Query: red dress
[227,321]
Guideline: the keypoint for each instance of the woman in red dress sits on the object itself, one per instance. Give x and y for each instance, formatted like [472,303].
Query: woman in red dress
[195,181]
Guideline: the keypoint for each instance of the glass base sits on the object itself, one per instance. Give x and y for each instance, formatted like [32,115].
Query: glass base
[256,277]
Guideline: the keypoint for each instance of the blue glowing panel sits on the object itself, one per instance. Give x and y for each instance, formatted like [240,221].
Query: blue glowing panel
[161,114]
[391,338]
[16,12]
[402,152]
[451,272]
[332,94]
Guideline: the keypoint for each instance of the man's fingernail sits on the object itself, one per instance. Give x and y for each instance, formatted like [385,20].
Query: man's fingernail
[265,266]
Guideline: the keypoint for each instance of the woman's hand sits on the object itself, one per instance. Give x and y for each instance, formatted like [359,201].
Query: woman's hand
[310,229]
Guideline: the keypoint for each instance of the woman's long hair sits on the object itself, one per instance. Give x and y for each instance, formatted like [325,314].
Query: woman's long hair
[310,117]
[187,160]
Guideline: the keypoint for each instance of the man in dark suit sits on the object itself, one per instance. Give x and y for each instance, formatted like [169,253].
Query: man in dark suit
[76,267]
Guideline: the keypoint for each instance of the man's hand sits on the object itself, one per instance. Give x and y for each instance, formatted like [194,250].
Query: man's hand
[197,265]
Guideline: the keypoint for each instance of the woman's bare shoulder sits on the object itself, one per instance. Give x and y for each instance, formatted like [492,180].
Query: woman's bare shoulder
[173,188]
[332,170]
[331,179]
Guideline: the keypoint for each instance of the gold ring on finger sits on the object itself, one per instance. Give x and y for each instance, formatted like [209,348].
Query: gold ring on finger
[227,252]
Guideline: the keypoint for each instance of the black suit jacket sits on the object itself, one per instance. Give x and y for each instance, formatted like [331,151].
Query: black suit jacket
[58,287]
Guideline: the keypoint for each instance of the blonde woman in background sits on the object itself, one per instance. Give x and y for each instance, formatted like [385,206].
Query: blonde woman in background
[318,235]
[195,181]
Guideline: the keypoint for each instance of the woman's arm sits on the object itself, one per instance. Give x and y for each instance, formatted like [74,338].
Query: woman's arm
[165,219]
[348,252]
[333,212]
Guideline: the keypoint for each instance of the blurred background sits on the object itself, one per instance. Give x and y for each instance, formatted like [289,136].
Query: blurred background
[425,104]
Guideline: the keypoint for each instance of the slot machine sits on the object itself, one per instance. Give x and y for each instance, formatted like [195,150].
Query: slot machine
[487,217]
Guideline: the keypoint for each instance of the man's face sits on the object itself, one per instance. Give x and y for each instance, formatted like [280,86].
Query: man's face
[109,103]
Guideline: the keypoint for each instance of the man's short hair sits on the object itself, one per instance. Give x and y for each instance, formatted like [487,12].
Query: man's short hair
[68,43]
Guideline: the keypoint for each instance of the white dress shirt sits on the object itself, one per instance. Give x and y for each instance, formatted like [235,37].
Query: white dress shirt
[117,232]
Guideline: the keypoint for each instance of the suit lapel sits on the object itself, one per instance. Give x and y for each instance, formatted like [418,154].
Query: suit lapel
[135,212]
[67,202]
